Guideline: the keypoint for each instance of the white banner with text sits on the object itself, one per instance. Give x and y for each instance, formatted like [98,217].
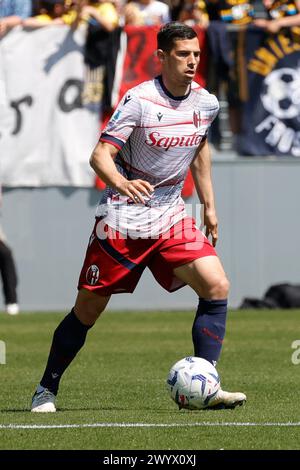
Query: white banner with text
[46,132]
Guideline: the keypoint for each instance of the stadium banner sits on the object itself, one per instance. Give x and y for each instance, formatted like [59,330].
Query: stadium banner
[46,132]
[271,124]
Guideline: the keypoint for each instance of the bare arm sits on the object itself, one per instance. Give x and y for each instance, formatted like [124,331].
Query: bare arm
[201,171]
[102,163]
[35,23]
[273,26]
[8,23]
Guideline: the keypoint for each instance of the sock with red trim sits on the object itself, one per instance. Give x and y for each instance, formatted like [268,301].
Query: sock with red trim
[209,329]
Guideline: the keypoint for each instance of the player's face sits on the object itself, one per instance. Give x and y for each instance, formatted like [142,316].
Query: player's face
[180,64]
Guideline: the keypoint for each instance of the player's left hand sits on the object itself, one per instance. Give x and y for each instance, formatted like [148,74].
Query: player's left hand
[211,224]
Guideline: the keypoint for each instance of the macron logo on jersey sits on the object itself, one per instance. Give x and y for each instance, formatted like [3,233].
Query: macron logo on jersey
[155,139]
[127,98]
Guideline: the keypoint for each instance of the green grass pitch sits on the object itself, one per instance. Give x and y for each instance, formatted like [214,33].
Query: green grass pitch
[115,388]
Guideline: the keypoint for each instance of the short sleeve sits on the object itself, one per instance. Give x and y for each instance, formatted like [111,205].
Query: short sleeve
[211,111]
[126,117]
[214,107]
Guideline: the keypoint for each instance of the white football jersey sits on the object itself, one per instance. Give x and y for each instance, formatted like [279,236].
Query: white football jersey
[157,135]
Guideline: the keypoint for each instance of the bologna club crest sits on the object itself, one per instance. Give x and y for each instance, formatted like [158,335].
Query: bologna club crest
[92,275]
[196,119]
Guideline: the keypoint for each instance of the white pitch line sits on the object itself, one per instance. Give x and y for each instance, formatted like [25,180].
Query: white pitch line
[141,425]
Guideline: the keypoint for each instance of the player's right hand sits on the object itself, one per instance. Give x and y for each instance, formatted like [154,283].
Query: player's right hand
[136,190]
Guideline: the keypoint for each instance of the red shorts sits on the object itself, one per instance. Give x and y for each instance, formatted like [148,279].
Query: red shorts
[114,264]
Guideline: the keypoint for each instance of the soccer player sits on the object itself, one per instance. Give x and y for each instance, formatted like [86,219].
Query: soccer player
[157,132]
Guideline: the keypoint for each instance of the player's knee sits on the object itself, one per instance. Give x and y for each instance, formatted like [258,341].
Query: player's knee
[88,306]
[87,313]
[219,288]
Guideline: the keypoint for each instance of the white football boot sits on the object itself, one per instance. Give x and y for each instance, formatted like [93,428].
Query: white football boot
[224,399]
[43,402]
[12,309]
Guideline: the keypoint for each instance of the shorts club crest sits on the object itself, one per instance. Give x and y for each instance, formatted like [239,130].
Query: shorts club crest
[92,275]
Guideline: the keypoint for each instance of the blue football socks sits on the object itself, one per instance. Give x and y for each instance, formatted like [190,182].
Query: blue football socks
[209,329]
[68,339]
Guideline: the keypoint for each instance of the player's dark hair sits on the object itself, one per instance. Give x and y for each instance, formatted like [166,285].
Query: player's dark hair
[171,32]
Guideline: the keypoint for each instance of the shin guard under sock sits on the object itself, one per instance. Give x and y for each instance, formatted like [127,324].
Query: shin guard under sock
[209,329]
[68,339]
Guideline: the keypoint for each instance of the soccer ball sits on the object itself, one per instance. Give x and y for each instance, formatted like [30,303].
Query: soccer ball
[192,382]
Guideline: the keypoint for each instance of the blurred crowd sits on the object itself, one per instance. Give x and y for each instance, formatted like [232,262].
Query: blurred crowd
[37,13]
[212,15]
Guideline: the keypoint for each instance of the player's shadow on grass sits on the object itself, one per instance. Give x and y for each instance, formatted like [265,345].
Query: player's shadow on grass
[112,408]
[14,410]
[73,408]
[116,408]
